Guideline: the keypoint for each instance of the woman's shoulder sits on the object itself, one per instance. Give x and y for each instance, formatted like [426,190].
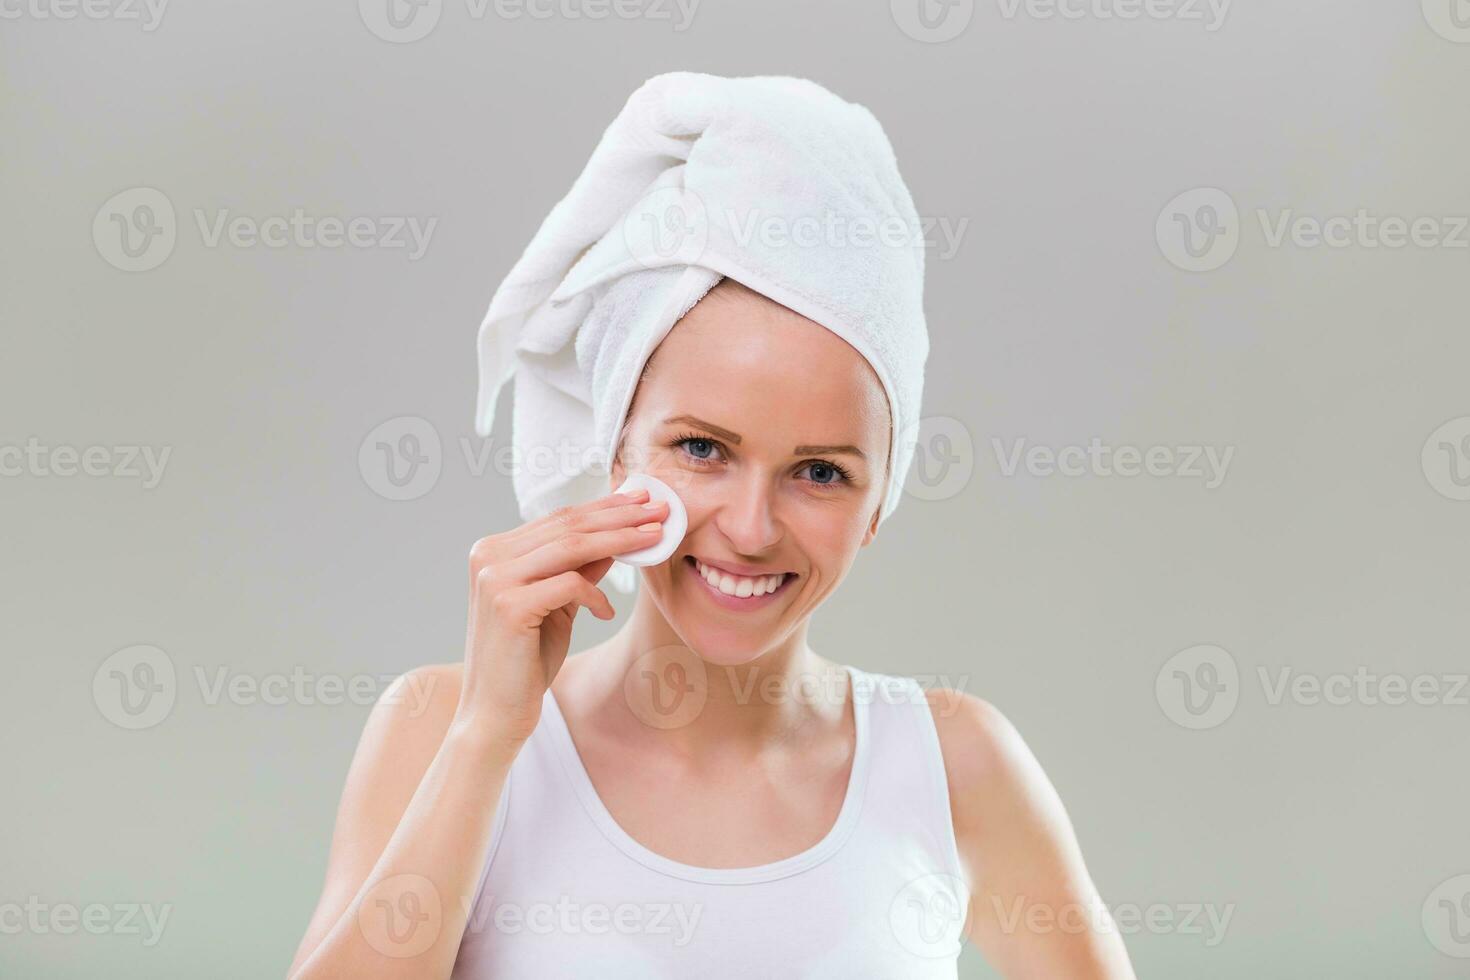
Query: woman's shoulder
[429,693]
[1005,809]
[982,750]
[410,719]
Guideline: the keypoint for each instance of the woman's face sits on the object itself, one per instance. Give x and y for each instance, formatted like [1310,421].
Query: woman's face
[774,432]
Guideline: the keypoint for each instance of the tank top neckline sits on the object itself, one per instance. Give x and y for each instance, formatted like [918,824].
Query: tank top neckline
[842,828]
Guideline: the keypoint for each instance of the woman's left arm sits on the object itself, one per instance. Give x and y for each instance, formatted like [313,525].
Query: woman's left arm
[1034,911]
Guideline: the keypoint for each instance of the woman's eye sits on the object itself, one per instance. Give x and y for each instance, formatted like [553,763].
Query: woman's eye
[699,448]
[824,473]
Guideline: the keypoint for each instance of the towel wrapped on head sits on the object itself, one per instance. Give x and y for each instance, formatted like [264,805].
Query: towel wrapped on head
[772,181]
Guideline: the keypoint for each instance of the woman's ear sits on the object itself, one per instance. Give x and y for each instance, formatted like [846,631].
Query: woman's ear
[872,531]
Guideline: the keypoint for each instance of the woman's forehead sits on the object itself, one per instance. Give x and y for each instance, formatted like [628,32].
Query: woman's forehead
[747,357]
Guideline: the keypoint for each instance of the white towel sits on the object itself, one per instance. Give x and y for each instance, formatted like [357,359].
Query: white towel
[772,181]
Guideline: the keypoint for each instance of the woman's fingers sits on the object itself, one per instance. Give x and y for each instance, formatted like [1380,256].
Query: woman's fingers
[564,517]
[586,522]
[573,549]
[611,511]
[526,606]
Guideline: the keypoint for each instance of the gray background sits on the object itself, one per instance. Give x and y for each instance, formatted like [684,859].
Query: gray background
[265,549]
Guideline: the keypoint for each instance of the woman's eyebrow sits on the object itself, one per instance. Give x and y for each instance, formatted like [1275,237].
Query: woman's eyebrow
[828,451]
[801,450]
[725,434]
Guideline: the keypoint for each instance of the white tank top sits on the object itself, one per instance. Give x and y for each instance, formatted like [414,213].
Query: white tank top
[567,894]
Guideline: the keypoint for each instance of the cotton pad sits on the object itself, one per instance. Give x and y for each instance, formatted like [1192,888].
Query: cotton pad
[674,525]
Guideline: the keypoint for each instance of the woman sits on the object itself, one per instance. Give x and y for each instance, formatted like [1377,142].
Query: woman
[702,795]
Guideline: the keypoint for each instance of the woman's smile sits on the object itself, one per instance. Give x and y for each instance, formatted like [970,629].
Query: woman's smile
[739,587]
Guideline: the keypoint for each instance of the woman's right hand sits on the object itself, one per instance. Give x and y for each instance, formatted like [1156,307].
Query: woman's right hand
[526,586]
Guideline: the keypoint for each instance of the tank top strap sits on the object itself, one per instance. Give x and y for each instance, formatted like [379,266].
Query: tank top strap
[908,786]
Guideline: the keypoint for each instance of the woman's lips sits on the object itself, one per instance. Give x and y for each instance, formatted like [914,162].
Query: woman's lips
[741,583]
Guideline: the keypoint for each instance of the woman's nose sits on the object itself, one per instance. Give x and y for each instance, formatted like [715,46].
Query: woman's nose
[746,515]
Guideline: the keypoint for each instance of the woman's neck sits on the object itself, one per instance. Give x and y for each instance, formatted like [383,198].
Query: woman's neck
[716,707]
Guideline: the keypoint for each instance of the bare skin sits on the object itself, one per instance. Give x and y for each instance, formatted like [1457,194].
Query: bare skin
[729,413]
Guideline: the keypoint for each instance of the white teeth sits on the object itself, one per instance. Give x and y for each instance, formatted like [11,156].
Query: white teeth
[736,585]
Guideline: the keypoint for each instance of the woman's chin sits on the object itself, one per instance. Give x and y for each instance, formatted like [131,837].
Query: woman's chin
[721,646]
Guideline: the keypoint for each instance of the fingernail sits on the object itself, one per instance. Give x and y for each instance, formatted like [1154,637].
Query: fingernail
[653,505]
[651,526]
